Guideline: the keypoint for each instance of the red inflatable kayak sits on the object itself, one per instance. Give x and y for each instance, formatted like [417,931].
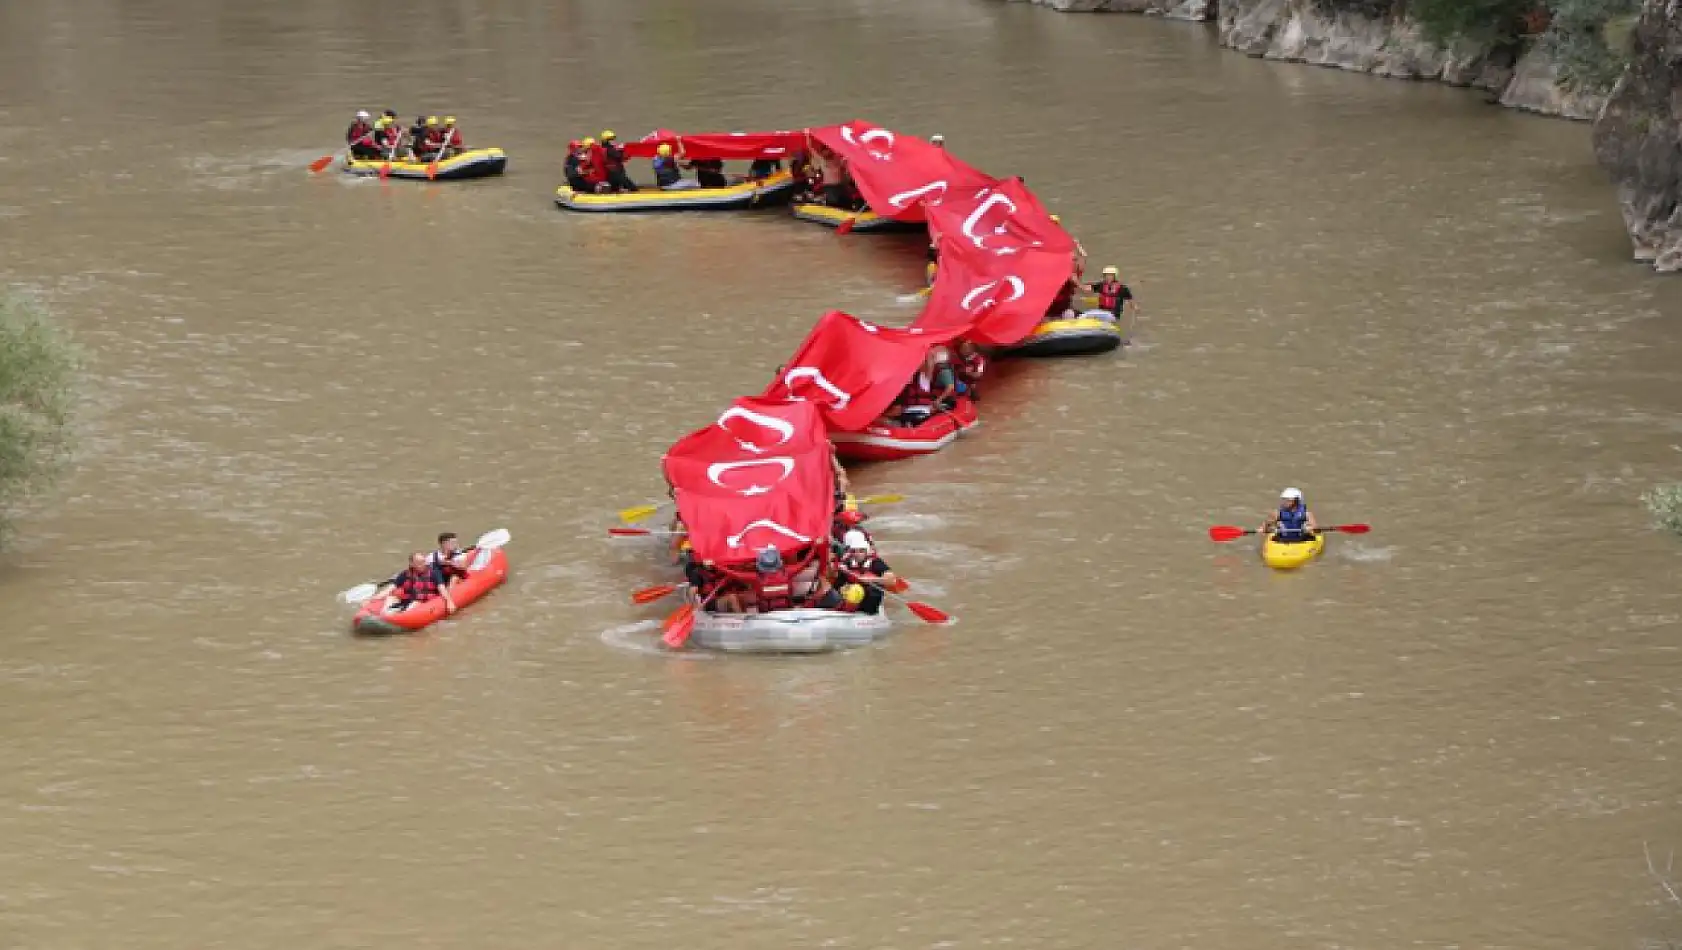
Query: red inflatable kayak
[885,443]
[486,570]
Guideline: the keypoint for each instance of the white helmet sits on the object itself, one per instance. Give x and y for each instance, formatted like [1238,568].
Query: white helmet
[363,114]
[937,138]
[855,540]
[1291,494]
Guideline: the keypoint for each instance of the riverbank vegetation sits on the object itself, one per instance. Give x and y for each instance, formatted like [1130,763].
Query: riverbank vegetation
[39,366]
[1664,503]
[1588,40]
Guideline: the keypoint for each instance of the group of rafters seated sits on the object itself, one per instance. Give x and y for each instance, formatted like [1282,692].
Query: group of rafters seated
[845,575]
[937,384]
[429,139]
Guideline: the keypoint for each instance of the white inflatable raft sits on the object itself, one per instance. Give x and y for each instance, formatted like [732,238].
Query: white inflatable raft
[801,630]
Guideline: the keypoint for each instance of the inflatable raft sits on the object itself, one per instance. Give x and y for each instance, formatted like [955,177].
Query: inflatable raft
[863,221]
[738,197]
[473,163]
[1078,336]
[881,443]
[1282,556]
[486,570]
[801,630]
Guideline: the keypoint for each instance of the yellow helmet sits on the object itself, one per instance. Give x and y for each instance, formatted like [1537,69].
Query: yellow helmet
[432,122]
[852,594]
[449,120]
[608,136]
[1056,218]
[663,150]
[589,142]
[383,122]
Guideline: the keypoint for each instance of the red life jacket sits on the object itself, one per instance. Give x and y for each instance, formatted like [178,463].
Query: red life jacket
[595,166]
[919,391]
[971,367]
[1109,295]
[774,591]
[358,132]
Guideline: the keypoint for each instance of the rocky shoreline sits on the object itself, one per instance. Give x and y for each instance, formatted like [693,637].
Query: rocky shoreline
[1638,126]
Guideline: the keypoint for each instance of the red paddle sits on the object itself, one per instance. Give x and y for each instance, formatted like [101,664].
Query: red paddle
[644,532]
[1227,532]
[924,612]
[846,227]
[679,625]
[322,162]
[649,595]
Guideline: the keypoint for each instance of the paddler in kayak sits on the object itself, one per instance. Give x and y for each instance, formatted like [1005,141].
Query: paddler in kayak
[420,582]
[1292,523]
[447,559]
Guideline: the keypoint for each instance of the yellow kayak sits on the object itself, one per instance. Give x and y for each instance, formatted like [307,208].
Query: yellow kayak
[1283,557]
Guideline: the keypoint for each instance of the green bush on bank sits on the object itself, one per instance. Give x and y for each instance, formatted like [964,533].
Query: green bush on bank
[1589,41]
[1664,503]
[38,371]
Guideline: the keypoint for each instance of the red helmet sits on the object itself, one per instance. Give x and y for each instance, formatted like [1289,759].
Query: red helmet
[852,517]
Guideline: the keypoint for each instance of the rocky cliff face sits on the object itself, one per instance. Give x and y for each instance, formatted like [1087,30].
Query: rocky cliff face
[1638,137]
[1304,31]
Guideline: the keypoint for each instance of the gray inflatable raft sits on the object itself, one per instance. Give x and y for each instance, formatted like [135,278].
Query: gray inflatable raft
[802,630]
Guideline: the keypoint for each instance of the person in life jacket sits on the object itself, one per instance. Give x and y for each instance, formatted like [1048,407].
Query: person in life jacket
[937,140]
[594,166]
[360,135]
[1292,523]
[453,144]
[916,402]
[667,174]
[942,377]
[446,560]
[613,158]
[970,368]
[425,145]
[573,167]
[847,519]
[860,565]
[387,136]
[762,168]
[419,584]
[773,584]
[1113,295]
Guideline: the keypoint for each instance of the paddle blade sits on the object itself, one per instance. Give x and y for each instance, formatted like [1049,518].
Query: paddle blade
[881,499]
[359,593]
[649,595]
[1352,528]
[1226,532]
[845,227]
[679,626]
[432,171]
[900,585]
[926,613]
[629,532]
[638,513]
[321,163]
[385,171]
[493,539]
